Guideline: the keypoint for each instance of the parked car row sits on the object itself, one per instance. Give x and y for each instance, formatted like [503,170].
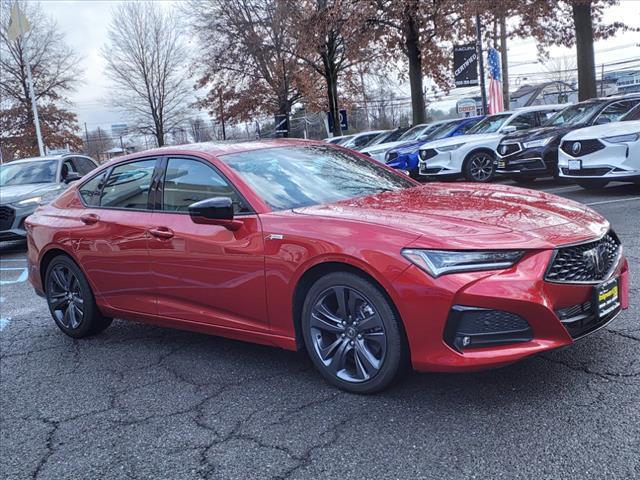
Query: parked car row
[590,143]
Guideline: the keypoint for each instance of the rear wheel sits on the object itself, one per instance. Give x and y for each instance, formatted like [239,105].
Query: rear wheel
[71,301]
[592,184]
[479,167]
[352,333]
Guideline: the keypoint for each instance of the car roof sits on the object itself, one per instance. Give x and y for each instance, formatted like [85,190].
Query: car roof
[38,159]
[533,108]
[217,149]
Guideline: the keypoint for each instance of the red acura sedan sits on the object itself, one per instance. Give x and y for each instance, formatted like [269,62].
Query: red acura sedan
[303,245]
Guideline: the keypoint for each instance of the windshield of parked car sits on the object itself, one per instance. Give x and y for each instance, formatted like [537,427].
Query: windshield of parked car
[292,177]
[444,130]
[490,124]
[573,115]
[412,133]
[41,171]
[385,137]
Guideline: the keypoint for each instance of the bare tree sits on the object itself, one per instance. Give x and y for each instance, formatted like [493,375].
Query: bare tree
[199,130]
[55,73]
[146,62]
[98,141]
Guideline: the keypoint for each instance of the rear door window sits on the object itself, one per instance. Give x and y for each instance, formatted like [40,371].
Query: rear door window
[83,165]
[91,190]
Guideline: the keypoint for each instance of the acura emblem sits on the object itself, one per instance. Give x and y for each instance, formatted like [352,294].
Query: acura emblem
[575,148]
[595,259]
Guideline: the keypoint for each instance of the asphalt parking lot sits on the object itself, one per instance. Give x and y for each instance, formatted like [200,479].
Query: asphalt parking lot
[144,402]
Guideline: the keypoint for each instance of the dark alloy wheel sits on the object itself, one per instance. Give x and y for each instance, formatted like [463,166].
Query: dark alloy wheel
[71,302]
[351,333]
[479,167]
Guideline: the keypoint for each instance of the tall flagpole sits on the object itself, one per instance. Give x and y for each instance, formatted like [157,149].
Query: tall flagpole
[34,106]
[18,27]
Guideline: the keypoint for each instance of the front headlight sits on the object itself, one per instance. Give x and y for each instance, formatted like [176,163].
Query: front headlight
[441,262]
[28,201]
[538,143]
[448,148]
[631,137]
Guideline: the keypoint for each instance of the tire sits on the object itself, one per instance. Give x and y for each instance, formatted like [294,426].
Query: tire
[592,184]
[71,301]
[359,348]
[479,167]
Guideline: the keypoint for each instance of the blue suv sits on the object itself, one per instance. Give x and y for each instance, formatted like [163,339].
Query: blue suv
[405,157]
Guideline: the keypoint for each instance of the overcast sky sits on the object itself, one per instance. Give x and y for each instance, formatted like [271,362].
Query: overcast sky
[85,23]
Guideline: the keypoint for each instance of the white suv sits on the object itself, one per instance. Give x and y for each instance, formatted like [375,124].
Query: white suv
[594,156]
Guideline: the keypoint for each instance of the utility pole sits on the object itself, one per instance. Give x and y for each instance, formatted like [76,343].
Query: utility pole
[505,62]
[483,90]
[224,133]
[86,136]
[602,81]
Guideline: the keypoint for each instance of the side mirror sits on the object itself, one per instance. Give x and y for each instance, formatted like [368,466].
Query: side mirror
[72,177]
[509,129]
[214,211]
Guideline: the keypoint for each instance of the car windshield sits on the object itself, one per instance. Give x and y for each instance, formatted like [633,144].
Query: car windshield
[490,124]
[292,177]
[444,130]
[412,133]
[573,115]
[41,171]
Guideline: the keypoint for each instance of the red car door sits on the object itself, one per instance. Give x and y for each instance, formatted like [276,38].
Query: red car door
[206,273]
[113,247]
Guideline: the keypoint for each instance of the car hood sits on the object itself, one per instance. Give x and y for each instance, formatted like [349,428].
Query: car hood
[475,138]
[15,193]
[472,216]
[608,130]
[537,133]
[406,147]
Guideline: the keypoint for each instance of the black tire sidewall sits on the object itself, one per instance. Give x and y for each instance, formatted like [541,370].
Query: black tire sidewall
[92,321]
[395,355]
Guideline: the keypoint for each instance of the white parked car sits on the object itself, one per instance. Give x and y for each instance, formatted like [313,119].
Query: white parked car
[473,155]
[594,156]
[361,140]
[377,152]
[338,140]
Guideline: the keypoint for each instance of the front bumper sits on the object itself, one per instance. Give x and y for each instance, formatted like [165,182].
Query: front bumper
[404,161]
[12,222]
[615,162]
[426,307]
[538,161]
[439,163]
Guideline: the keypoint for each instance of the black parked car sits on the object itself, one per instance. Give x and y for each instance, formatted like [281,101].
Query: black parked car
[533,153]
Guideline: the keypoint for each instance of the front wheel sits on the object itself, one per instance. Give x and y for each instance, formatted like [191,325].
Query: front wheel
[352,333]
[71,301]
[592,184]
[479,167]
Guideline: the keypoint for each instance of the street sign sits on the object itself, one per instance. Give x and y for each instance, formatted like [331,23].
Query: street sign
[282,125]
[344,121]
[465,65]
[466,107]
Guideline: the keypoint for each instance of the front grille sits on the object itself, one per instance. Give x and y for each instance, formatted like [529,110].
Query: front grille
[588,262]
[579,148]
[587,172]
[507,149]
[7,215]
[427,154]
[431,171]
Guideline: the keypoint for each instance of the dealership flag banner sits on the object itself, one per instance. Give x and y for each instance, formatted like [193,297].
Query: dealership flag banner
[495,82]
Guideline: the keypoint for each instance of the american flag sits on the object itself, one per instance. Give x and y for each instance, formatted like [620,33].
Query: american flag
[495,82]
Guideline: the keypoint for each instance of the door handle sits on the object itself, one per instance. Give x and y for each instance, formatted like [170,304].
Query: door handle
[161,232]
[89,218]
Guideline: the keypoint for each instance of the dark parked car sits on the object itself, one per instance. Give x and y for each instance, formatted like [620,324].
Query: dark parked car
[534,153]
[31,182]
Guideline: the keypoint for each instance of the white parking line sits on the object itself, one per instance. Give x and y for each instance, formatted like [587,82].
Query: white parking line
[603,202]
